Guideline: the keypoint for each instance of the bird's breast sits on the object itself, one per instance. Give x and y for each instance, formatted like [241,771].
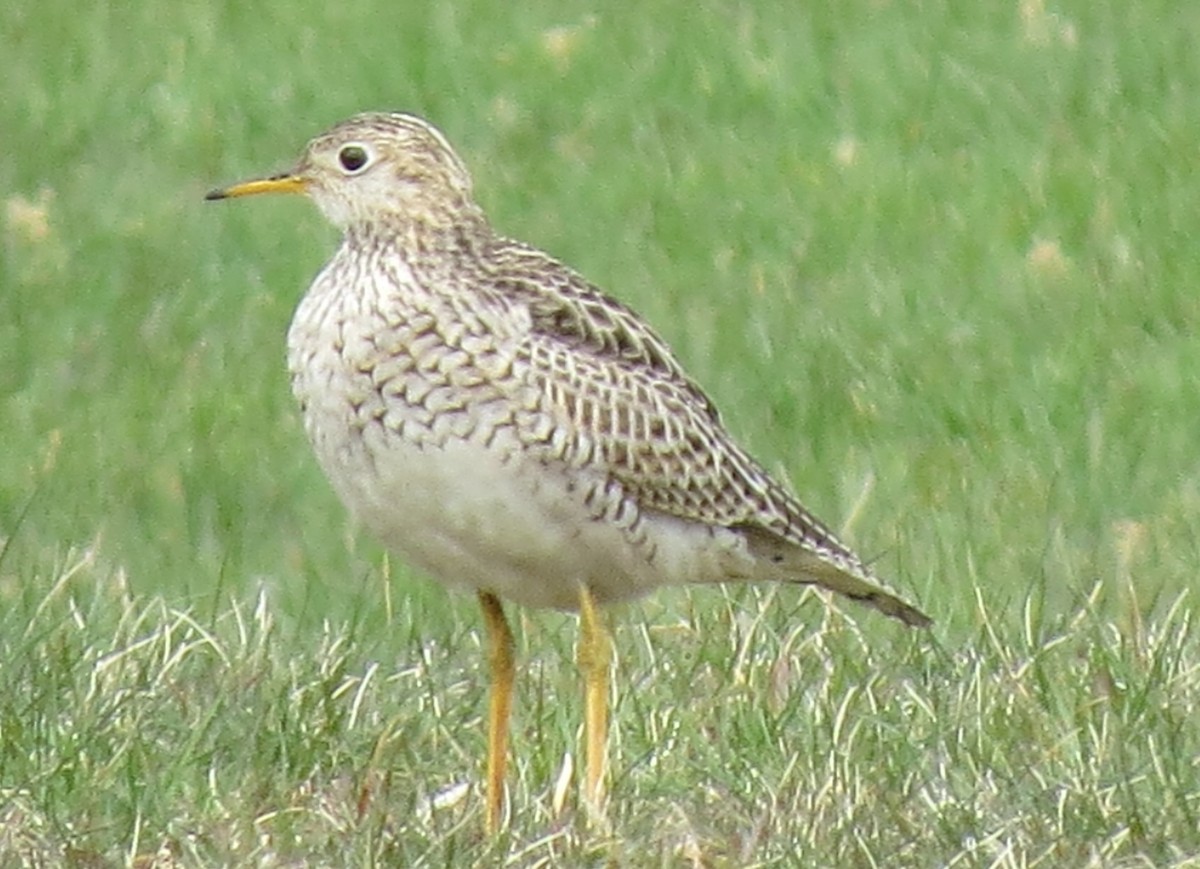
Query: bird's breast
[376,360]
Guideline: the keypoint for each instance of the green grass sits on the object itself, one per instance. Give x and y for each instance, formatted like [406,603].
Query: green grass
[934,261]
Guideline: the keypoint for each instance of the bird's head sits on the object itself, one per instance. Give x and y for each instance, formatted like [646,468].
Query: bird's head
[377,171]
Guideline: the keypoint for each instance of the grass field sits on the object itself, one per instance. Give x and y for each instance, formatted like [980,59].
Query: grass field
[935,262]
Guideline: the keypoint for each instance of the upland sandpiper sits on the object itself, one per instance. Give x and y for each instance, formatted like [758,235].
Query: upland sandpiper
[508,428]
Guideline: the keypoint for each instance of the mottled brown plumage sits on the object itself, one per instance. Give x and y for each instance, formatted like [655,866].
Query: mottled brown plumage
[502,423]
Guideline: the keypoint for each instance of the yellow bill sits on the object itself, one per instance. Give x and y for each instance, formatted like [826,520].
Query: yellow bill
[285,183]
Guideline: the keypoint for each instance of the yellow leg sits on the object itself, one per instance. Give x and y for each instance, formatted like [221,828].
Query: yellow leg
[500,662]
[595,658]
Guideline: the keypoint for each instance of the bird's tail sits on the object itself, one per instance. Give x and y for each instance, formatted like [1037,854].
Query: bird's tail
[838,571]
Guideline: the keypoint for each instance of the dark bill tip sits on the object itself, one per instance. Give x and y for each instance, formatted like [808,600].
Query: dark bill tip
[284,183]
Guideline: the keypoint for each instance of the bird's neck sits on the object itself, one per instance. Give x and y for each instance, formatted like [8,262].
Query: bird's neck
[464,233]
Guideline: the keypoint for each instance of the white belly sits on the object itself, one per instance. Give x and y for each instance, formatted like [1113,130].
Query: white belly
[474,521]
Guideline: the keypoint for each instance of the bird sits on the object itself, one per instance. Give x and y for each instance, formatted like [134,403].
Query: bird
[511,430]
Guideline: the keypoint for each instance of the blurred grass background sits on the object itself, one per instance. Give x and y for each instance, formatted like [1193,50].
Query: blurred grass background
[933,261]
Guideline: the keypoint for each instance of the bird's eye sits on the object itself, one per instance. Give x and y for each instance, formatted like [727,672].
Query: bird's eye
[352,157]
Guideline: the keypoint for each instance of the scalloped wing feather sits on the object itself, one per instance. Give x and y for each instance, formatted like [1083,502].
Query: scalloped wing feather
[627,405]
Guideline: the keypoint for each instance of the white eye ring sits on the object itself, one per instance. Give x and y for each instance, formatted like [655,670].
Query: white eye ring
[353,157]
